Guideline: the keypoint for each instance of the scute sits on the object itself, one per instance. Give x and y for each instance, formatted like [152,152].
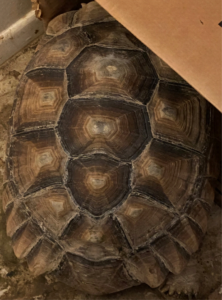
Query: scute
[91,239]
[26,238]
[44,257]
[90,14]
[186,234]
[112,35]
[68,46]
[164,72]
[178,115]
[102,125]
[147,268]
[98,183]
[119,72]
[111,160]
[199,213]
[53,208]
[16,216]
[60,24]
[167,173]
[174,257]
[40,99]
[37,161]
[141,218]
[97,278]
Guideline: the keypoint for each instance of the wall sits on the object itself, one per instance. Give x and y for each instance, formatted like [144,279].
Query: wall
[18,27]
[11,11]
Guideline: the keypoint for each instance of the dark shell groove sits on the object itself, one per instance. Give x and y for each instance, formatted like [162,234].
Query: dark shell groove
[110,161]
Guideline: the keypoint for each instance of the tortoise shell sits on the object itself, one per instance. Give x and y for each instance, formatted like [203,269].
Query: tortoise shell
[110,160]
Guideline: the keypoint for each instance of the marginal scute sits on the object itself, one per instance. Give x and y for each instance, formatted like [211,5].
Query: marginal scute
[98,183]
[172,255]
[207,191]
[141,218]
[37,161]
[53,208]
[95,240]
[40,100]
[25,239]
[111,126]
[146,268]
[61,23]
[9,194]
[166,172]
[96,278]
[44,257]
[104,71]
[199,213]
[90,14]
[213,157]
[67,45]
[16,217]
[187,235]
[178,115]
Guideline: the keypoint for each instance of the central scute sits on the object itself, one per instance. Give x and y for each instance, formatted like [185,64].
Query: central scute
[98,183]
[96,124]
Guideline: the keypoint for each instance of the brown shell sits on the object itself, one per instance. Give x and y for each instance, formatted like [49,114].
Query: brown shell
[109,165]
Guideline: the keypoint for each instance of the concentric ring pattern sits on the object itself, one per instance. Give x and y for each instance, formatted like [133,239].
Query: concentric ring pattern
[109,166]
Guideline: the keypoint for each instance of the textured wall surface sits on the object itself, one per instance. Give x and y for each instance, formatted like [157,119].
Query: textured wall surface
[11,11]
[16,283]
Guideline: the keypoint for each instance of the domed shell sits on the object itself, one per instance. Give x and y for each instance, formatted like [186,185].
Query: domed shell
[109,168]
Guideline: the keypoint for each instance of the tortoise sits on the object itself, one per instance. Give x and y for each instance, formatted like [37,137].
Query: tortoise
[111,159]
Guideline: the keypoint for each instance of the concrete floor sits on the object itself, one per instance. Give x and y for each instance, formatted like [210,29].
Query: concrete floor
[15,280]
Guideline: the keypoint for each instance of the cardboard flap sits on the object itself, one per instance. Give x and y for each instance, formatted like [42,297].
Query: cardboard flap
[186,34]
